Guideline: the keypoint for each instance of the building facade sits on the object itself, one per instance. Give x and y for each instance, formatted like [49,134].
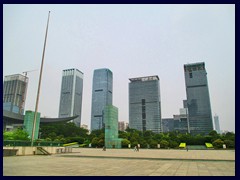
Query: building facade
[71,95]
[217,125]
[145,104]
[121,125]
[14,93]
[101,96]
[111,127]
[167,124]
[198,100]
[28,123]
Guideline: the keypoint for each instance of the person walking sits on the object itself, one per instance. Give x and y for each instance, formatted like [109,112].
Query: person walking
[137,148]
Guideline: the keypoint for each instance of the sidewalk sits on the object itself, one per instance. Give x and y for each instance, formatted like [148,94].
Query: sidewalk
[210,155]
[124,162]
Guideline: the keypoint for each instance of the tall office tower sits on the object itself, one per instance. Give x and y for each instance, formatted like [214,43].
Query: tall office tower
[198,100]
[71,95]
[101,96]
[216,123]
[111,127]
[14,93]
[144,104]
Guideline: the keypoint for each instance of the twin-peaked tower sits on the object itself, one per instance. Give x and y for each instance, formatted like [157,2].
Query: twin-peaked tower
[71,95]
[198,100]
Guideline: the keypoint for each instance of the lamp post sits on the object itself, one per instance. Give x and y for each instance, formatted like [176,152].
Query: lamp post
[39,84]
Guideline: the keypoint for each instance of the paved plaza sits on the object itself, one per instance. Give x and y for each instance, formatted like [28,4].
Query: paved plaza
[124,162]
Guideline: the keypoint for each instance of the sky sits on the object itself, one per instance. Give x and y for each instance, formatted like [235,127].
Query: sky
[132,41]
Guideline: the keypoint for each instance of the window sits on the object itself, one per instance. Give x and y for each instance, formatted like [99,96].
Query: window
[190,74]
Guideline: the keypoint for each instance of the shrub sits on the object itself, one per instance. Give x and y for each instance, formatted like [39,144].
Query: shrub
[164,144]
[218,143]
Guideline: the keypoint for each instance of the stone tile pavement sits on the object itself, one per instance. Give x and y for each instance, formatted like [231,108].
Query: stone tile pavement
[124,162]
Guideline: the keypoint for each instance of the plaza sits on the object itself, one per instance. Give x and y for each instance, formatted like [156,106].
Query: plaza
[124,162]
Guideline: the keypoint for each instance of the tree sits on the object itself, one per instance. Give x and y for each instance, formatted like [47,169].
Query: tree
[153,143]
[17,134]
[229,143]
[213,133]
[125,143]
[218,143]
[164,144]
[173,144]
[94,142]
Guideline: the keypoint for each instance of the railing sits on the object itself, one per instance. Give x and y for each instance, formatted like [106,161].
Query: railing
[28,143]
[43,151]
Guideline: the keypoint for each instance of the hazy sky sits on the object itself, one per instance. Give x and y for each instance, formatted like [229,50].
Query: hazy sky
[130,40]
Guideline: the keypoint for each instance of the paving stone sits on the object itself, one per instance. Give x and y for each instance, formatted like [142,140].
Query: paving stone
[123,162]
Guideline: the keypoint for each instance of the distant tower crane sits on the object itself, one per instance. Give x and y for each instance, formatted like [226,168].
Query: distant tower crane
[24,92]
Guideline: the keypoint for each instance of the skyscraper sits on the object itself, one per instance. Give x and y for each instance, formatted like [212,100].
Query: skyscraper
[101,96]
[198,100]
[71,95]
[145,104]
[14,93]
[216,123]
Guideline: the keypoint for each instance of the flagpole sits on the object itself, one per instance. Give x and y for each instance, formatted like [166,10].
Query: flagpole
[39,84]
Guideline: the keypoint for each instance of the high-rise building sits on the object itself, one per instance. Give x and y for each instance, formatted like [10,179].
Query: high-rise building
[122,125]
[111,127]
[198,100]
[145,104]
[167,124]
[101,96]
[71,95]
[216,123]
[14,93]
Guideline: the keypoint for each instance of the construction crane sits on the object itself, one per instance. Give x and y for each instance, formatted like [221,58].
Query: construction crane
[25,72]
[24,92]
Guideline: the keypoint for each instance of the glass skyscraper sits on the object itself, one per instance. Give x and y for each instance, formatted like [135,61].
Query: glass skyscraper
[198,100]
[71,95]
[101,96]
[145,104]
[14,93]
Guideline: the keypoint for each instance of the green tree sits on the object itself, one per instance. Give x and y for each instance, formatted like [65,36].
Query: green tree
[164,144]
[17,134]
[125,143]
[218,143]
[213,133]
[229,143]
[173,144]
[153,143]
[94,142]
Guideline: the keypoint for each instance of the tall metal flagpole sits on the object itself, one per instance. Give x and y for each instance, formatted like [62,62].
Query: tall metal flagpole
[39,84]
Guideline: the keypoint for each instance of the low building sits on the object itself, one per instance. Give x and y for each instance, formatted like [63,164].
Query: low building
[111,127]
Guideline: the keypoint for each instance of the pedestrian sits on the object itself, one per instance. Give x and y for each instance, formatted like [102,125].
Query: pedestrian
[135,148]
[187,148]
